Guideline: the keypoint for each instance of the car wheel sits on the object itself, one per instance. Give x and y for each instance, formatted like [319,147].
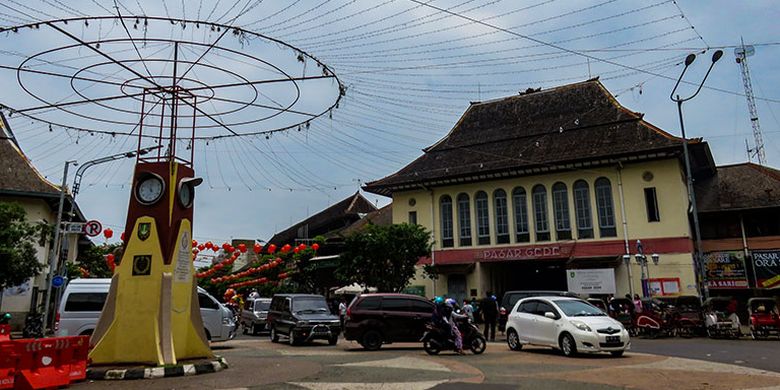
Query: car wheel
[244,329]
[274,336]
[291,336]
[333,340]
[371,340]
[568,345]
[513,340]
[255,329]
[617,353]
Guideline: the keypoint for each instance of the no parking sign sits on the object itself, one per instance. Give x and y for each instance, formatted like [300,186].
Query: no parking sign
[93,228]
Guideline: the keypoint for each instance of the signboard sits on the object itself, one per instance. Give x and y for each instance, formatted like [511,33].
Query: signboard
[535,252]
[74,228]
[93,228]
[591,281]
[726,270]
[766,268]
[415,290]
[664,286]
[182,273]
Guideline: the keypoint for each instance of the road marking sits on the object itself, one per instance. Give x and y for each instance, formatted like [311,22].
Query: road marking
[313,352]
[369,386]
[411,363]
[675,363]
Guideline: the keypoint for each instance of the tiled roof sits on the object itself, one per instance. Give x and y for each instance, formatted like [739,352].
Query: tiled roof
[535,130]
[16,172]
[381,217]
[738,187]
[335,217]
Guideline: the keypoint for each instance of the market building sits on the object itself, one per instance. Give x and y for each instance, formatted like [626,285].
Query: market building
[739,211]
[529,191]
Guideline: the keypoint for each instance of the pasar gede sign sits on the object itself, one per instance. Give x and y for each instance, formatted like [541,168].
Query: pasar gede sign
[526,253]
[766,267]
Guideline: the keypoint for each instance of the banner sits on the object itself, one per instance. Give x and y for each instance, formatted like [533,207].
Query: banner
[766,268]
[591,281]
[726,270]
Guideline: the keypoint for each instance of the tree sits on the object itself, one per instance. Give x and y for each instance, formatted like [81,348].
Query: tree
[384,256]
[93,260]
[17,252]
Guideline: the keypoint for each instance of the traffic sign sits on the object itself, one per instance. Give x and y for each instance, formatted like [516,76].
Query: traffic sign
[93,228]
[57,281]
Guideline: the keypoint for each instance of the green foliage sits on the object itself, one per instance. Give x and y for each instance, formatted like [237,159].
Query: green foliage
[217,290]
[17,252]
[93,259]
[384,256]
[431,272]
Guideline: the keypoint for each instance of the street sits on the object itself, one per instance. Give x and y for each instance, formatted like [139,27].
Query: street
[255,362]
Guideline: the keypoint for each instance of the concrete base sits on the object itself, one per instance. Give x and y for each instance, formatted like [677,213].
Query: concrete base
[140,372]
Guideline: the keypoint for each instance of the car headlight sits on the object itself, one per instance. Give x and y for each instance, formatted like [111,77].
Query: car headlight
[581,326]
[302,323]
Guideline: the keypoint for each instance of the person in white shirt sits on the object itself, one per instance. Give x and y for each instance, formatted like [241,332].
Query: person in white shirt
[342,311]
[468,310]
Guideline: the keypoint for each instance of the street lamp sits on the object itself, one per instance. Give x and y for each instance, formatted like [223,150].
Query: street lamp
[641,259]
[698,267]
[54,258]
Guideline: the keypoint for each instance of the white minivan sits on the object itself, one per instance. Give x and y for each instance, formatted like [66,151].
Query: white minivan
[83,301]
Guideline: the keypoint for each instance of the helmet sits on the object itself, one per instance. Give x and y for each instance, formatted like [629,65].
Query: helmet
[493,297]
[438,300]
[450,301]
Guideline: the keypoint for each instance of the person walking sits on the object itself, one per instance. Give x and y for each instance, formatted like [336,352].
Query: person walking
[489,308]
[637,304]
[468,310]
[342,311]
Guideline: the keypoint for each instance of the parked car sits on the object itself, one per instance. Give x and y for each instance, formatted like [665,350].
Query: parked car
[376,319]
[568,324]
[510,298]
[83,300]
[254,315]
[302,318]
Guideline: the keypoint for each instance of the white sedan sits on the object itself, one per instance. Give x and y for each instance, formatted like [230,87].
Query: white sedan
[569,324]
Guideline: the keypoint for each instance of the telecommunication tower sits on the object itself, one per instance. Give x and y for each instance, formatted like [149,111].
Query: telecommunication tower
[742,53]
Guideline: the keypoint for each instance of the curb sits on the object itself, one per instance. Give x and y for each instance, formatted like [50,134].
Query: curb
[201,367]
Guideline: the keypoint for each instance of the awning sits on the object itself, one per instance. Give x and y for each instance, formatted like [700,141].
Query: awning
[353,288]
[319,262]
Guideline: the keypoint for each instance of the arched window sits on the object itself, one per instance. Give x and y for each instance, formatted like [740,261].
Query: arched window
[445,211]
[605,208]
[483,218]
[520,205]
[582,209]
[502,216]
[464,220]
[539,196]
[561,209]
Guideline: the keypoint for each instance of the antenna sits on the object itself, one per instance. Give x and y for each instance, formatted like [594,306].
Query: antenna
[742,53]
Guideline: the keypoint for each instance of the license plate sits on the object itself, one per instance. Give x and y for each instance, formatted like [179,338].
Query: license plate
[613,339]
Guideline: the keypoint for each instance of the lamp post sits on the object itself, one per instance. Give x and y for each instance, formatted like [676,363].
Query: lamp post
[698,267]
[54,261]
[641,259]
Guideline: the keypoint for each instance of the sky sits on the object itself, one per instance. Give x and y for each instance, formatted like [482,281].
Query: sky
[409,71]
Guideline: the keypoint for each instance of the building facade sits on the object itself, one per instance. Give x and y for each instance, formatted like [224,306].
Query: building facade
[528,191]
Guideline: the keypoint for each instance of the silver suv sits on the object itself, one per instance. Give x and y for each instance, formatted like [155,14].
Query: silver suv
[254,314]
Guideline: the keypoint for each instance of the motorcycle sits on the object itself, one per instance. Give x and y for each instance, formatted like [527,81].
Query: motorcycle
[436,339]
[33,325]
[622,310]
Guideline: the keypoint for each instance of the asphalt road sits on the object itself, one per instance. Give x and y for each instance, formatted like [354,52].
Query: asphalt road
[761,354]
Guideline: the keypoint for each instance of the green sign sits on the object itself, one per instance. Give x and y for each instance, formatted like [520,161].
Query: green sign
[415,290]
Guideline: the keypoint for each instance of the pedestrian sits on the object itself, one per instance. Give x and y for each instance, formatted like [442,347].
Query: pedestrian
[342,311]
[468,310]
[489,308]
[637,303]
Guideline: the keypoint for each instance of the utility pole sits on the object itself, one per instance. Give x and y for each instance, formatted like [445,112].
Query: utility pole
[742,53]
[54,253]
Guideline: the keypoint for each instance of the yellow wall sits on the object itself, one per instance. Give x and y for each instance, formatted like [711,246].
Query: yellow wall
[671,192]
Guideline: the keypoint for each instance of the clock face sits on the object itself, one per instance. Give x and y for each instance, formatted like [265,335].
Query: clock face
[149,190]
[185,194]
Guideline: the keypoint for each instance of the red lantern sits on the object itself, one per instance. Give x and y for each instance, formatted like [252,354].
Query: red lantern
[194,243]
[108,233]
[302,246]
[225,245]
[257,248]
[195,251]
[208,244]
[286,248]
[122,236]
[296,250]
[201,247]
[315,246]
[242,247]
[271,248]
